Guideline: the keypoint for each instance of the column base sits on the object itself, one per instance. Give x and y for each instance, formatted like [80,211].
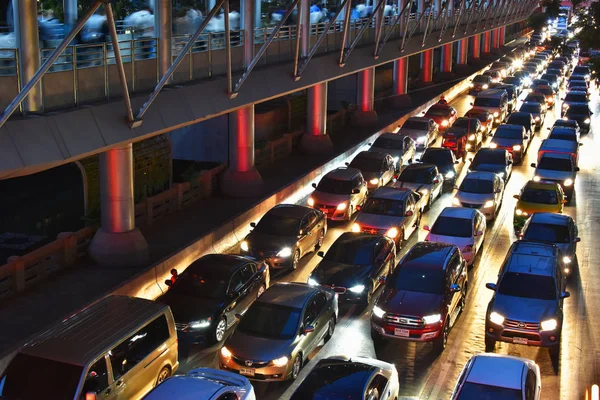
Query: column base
[119,250]
[365,118]
[401,101]
[242,184]
[461,67]
[316,144]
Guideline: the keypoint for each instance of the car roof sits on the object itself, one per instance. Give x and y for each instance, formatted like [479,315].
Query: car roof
[550,218]
[543,185]
[343,174]
[534,258]
[485,370]
[481,175]
[289,210]
[459,212]
[477,111]
[489,150]
[420,166]
[427,255]
[578,104]
[290,294]
[370,155]
[390,193]
[218,265]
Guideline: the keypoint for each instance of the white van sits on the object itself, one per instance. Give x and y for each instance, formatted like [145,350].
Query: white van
[495,101]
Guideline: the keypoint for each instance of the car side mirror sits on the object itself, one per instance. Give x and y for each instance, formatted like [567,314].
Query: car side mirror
[90,396]
[347,164]
[238,316]
[549,129]
[426,228]
[510,162]
[370,144]
[533,165]
[309,329]
[526,137]
[355,191]
[479,233]
[409,213]
[498,191]
[580,144]
[470,159]
[491,286]
[253,224]
[454,288]
[382,279]
[470,104]
[564,295]
[358,207]
[576,169]
[436,181]
[314,185]
[168,282]
[321,254]
[564,201]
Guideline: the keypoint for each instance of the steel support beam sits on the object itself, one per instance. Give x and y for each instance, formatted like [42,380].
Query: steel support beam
[163,26]
[345,52]
[28,56]
[380,44]
[446,62]
[400,78]
[70,14]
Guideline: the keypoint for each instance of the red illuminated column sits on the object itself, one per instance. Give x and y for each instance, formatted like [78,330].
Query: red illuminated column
[365,113]
[486,42]
[118,243]
[446,65]
[241,179]
[462,51]
[315,140]
[427,66]
[496,38]
[400,76]
[501,35]
[476,47]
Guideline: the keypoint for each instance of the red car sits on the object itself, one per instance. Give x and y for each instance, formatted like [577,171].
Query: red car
[443,114]
[485,117]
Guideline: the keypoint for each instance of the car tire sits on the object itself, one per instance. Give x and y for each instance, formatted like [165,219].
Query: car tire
[330,328]
[490,345]
[163,374]
[296,260]
[319,243]
[439,344]
[296,367]
[554,352]
[220,330]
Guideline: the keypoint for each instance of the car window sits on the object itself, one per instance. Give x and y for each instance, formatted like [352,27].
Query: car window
[320,302]
[139,345]
[237,282]
[96,380]
[530,385]
[305,223]
[407,142]
[356,182]
[376,389]
[248,272]
[312,218]
[454,267]
[228,396]
[310,314]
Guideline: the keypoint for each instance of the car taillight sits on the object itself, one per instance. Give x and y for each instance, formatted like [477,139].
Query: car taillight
[468,248]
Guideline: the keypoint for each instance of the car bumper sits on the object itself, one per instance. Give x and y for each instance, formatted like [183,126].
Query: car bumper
[519,336]
[333,214]
[488,212]
[195,337]
[427,334]
[269,373]
[272,261]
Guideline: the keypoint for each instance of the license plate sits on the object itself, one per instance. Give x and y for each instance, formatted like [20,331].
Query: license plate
[247,371]
[520,340]
[401,332]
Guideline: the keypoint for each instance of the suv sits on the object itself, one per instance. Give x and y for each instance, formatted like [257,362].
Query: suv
[423,296]
[527,307]
[339,193]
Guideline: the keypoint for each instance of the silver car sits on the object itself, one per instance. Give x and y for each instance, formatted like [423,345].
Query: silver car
[422,130]
[401,148]
[423,178]
[481,190]
[339,193]
[377,168]
[279,331]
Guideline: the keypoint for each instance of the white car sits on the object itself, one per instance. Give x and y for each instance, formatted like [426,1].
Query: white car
[422,130]
[423,178]
[487,376]
[204,383]
[481,190]
[463,227]
[341,377]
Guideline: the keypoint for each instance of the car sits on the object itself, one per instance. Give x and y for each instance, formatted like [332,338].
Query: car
[513,95]
[568,123]
[275,337]
[559,168]
[474,131]
[516,82]
[422,130]
[456,140]
[527,305]
[204,383]
[495,101]
[487,376]
[423,296]
[353,265]
[498,161]
[206,296]
[502,66]
[285,234]
[572,97]
[532,68]
[514,139]
[579,86]
[423,178]
[444,115]
[549,93]
[524,119]
[536,110]
[495,74]
[391,212]
[577,78]
[553,80]
[341,377]
[525,77]
[537,197]
[444,160]
[377,168]
[339,193]
[484,116]
[557,72]
[581,113]
[564,133]
[479,83]
[535,97]
[480,190]
[558,229]
[559,65]
[584,71]
[460,226]
[401,148]
[536,83]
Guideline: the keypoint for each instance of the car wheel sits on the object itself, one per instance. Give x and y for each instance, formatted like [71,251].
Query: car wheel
[296,366]
[330,329]
[296,260]
[261,290]
[164,373]
[440,342]
[320,240]
[490,345]
[220,330]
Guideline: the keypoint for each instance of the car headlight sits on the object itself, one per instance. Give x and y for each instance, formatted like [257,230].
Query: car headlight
[555,85]
[374,181]
[285,252]
[536,178]
[496,113]
[521,212]
[567,260]
[587,77]
[565,106]
[424,192]
[537,119]
[432,319]
[445,122]
[280,362]
[355,227]
[472,136]
[378,312]
[587,121]
[392,233]
[549,325]
[225,352]
[455,202]
[342,206]
[312,282]
[496,318]
[205,323]
[244,245]
[468,146]
[488,204]
[471,85]
[449,175]
[493,145]
[500,174]
[568,182]
[357,289]
[517,147]
[485,86]
[310,202]
[396,159]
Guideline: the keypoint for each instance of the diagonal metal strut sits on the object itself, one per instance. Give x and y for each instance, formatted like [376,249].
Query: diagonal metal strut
[380,44]
[345,52]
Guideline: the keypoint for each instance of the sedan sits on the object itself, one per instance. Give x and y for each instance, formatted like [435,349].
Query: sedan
[444,115]
[444,160]
[423,178]
[513,138]
[481,190]
[513,80]
[479,83]
[207,295]
[353,265]
[498,161]
[339,193]
[341,377]
[484,116]
[279,331]
[422,130]
[285,234]
[568,123]
[401,148]
[377,168]
[524,119]
[537,111]
[572,97]
[460,226]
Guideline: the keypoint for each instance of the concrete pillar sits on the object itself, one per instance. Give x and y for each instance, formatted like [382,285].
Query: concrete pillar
[365,114]
[257,13]
[496,38]
[118,243]
[501,35]
[28,45]
[446,62]
[70,14]
[486,42]
[400,76]
[163,26]
[427,66]
[241,179]
[248,25]
[476,48]
[462,51]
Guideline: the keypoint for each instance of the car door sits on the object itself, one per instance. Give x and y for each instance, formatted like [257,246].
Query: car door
[378,388]
[248,291]
[316,224]
[454,277]
[391,169]
[309,318]
[98,381]
[479,226]
[379,261]
[305,239]
[410,221]
[409,150]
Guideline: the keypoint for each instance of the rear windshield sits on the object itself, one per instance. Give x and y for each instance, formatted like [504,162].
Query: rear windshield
[576,97]
[392,208]
[387,143]
[539,196]
[487,102]
[481,79]
[450,226]
[415,175]
[479,186]
[528,286]
[547,233]
[471,391]
[530,108]
[555,164]
[335,186]
[504,133]
[411,124]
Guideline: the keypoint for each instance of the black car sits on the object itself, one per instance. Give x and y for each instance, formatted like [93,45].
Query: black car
[581,113]
[498,161]
[564,133]
[524,119]
[444,160]
[513,80]
[353,265]
[377,168]
[513,94]
[524,76]
[579,86]
[552,79]
[574,96]
[206,296]
[568,123]
[285,234]
[537,111]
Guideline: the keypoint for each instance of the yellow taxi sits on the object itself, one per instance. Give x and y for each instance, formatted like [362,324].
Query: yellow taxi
[542,196]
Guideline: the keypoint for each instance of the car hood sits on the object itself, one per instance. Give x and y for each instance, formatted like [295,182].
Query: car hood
[554,175]
[496,168]
[537,207]
[413,133]
[378,221]
[525,310]
[415,304]
[262,242]
[474,198]
[257,348]
[186,308]
[460,242]
[392,152]
[506,142]
[329,199]
[368,175]
[338,274]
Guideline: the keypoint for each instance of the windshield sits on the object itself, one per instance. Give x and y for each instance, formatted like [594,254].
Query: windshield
[193,284]
[30,377]
[437,157]
[522,74]
[489,157]
[387,143]
[415,175]
[465,123]
[335,186]
[555,164]
[576,98]
[549,78]
[366,164]
[417,279]
[487,102]
[539,196]
[528,286]
[472,391]
[530,108]
[547,233]
[506,133]
[481,79]
[563,136]
[438,112]
[394,208]
[271,321]
[519,120]
[562,122]
[359,252]
[578,110]
[581,70]
[277,225]
[479,186]
[419,125]
[450,226]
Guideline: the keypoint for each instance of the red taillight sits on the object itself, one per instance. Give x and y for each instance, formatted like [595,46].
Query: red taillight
[468,249]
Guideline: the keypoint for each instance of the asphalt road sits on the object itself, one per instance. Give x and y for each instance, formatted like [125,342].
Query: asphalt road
[424,375]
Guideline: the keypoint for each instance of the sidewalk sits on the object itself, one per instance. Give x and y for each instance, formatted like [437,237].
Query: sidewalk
[34,310]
